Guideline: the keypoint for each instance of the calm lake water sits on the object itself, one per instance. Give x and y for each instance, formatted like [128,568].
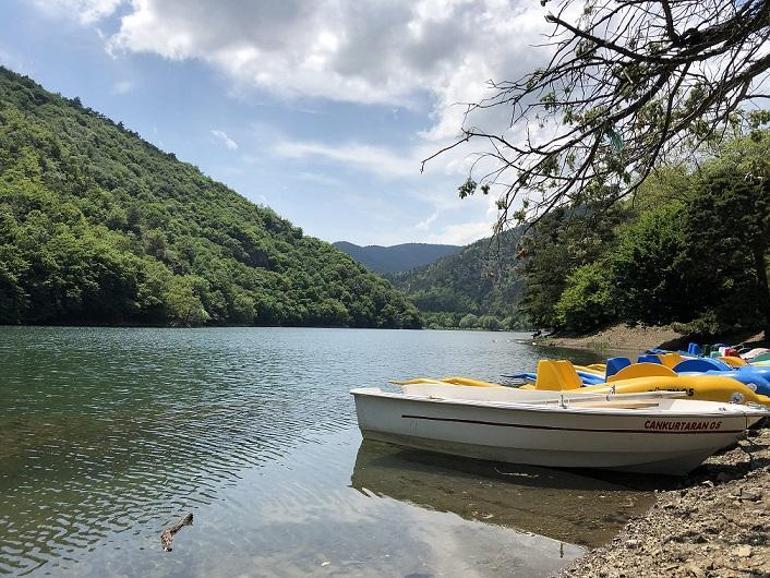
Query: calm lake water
[108,435]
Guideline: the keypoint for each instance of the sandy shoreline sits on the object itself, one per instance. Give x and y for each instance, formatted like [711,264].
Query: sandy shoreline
[639,338]
[714,523]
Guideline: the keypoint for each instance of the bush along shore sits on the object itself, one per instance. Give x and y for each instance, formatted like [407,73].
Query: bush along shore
[714,523]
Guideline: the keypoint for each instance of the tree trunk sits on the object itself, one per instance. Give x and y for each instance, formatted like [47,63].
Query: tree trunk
[759,263]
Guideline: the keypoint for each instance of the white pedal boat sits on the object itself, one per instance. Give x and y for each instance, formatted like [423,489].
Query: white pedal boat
[654,432]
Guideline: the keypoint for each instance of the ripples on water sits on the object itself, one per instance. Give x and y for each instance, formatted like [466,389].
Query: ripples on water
[109,434]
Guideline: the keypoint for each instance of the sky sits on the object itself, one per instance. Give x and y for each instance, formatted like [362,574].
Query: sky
[319,109]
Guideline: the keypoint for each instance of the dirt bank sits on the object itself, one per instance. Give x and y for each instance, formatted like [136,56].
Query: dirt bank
[619,337]
[640,337]
[716,523]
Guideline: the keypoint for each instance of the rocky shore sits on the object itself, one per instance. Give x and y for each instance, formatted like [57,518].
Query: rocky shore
[715,523]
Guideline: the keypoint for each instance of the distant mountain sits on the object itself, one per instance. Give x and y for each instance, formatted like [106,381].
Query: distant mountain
[482,282]
[98,226]
[397,258]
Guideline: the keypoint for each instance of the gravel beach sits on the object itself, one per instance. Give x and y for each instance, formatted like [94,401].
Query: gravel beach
[714,523]
[617,337]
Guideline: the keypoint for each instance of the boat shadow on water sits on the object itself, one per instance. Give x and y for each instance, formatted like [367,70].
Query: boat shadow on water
[583,507]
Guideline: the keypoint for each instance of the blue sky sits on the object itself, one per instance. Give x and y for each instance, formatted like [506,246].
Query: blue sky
[321,110]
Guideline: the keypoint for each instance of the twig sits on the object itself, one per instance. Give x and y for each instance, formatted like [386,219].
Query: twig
[167,536]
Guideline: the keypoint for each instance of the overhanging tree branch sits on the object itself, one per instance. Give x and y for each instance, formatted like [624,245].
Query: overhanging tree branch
[628,83]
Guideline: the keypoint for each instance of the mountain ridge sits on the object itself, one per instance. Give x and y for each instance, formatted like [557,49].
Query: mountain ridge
[479,287]
[396,258]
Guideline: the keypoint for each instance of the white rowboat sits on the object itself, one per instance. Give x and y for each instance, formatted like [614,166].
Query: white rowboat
[652,432]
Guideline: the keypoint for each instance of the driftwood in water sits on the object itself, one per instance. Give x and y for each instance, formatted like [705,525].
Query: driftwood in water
[167,536]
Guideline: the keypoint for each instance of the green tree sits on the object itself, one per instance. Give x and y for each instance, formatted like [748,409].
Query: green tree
[587,303]
[728,233]
[469,321]
[561,242]
[650,281]
[243,309]
[183,302]
[489,322]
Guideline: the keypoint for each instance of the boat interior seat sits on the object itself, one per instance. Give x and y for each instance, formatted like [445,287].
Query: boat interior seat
[648,358]
[753,376]
[459,380]
[417,381]
[642,370]
[615,364]
[671,359]
[590,378]
[621,404]
[557,375]
[701,364]
[733,361]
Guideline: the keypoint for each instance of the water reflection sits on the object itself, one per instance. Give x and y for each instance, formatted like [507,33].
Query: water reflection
[298,516]
[559,504]
[104,431]
[106,435]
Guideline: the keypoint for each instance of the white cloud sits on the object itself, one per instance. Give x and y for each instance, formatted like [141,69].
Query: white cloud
[462,233]
[11,60]
[378,160]
[425,224]
[369,51]
[122,87]
[317,178]
[386,52]
[225,139]
[86,11]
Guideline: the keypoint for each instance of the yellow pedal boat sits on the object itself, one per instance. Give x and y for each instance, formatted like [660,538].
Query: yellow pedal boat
[640,377]
[636,378]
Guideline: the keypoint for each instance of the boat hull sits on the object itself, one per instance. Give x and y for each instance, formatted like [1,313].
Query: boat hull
[670,444]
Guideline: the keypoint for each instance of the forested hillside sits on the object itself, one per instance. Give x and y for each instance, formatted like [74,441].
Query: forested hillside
[479,287]
[690,248]
[99,226]
[396,258]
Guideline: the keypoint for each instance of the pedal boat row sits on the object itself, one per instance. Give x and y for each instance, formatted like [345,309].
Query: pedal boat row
[652,431]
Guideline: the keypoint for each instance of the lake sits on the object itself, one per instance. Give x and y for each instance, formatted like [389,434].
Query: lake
[107,435]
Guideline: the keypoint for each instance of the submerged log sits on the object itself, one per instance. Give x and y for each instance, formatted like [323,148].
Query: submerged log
[167,536]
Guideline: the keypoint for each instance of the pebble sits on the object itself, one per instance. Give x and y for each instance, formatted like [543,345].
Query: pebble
[694,570]
[723,477]
[716,526]
[743,551]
